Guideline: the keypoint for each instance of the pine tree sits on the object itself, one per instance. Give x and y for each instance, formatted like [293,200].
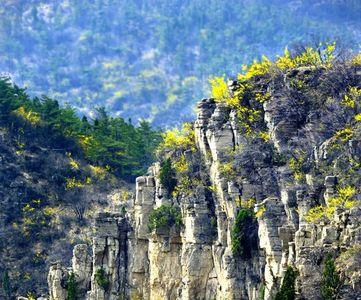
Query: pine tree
[71,287]
[330,280]
[167,176]
[287,290]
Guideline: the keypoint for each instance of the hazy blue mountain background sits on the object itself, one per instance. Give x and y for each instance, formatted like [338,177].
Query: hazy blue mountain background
[152,58]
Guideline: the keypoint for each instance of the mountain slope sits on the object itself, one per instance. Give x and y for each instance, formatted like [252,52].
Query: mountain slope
[152,59]
[56,172]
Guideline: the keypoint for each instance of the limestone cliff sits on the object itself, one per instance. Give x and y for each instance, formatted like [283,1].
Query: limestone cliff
[303,151]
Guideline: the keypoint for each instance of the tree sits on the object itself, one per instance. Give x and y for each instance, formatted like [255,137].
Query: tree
[287,290]
[71,287]
[167,176]
[243,233]
[6,285]
[101,278]
[330,280]
[165,216]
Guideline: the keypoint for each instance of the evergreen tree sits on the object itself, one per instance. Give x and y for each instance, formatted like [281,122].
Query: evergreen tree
[243,233]
[287,290]
[71,287]
[6,285]
[330,280]
[167,176]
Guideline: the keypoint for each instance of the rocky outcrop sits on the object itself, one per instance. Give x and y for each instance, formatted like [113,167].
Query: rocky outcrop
[100,272]
[280,178]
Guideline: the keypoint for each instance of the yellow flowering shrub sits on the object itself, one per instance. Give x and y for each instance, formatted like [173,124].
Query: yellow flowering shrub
[98,172]
[249,203]
[356,60]
[296,167]
[344,134]
[32,117]
[285,62]
[181,165]
[72,183]
[257,68]
[264,135]
[49,211]
[344,199]
[179,139]
[358,117]
[219,88]
[349,99]
[85,141]
[212,188]
[260,212]
[227,170]
[73,163]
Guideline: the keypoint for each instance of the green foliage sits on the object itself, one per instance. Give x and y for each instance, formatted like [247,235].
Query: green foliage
[165,216]
[71,287]
[6,285]
[287,290]
[262,291]
[330,280]
[87,53]
[241,235]
[110,142]
[167,176]
[101,278]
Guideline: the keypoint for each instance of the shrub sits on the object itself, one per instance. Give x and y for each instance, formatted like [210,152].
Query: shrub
[287,290]
[345,134]
[186,186]
[6,285]
[296,165]
[242,233]
[165,216]
[181,165]
[167,176]
[72,183]
[330,280]
[101,278]
[71,287]
[349,99]
[28,115]
[176,139]
[227,171]
[219,88]
[358,117]
[344,198]
[260,212]
[257,68]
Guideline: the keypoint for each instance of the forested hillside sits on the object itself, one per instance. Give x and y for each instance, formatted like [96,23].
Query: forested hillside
[56,171]
[152,59]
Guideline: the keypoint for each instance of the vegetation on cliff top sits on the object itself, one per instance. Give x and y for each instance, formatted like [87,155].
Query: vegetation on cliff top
[109,142]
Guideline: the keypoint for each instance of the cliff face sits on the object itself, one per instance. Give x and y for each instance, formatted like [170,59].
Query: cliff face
[307,156]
